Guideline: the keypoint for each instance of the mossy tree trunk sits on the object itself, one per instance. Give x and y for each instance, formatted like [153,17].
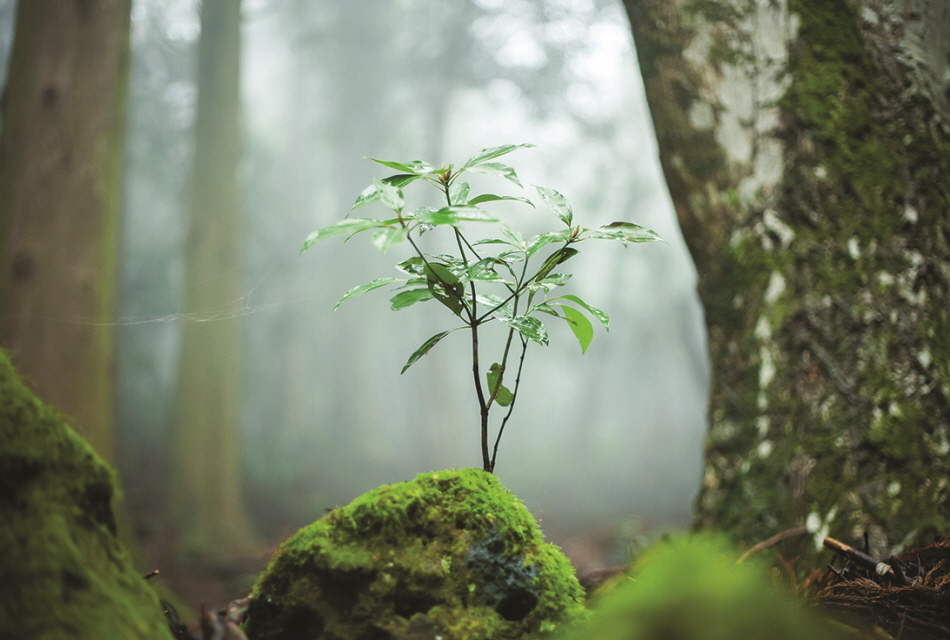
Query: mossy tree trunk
[206,497]
[806,145]
[60,171]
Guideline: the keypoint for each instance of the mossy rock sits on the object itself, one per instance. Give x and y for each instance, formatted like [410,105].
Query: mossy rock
[692,589]
[451,555]
[63,572]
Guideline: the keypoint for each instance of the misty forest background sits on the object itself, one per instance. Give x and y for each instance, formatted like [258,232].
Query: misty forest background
[798,152]
[608,441]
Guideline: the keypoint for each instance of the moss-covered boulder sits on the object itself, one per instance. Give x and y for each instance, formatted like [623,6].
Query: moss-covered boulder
[451,555]
[692,589]
[63,572]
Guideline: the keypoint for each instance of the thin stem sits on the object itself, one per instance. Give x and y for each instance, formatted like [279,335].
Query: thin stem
[511,407]
[482,405]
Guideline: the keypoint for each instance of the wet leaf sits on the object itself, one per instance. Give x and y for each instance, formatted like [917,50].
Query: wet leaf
[363,288]
[492,152]
[625,232]
[346,227]
[385,238]
[504,396]
[491,197]
[528,326]
[415,167]
[497,169]
[580,325]
[409,297]
[558,204]
[426,348]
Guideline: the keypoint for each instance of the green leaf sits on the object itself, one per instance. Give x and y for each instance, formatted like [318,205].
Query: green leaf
[558,204]
[440,274]
[413,266]
[346,227]
[409,297]
[491,197]
[538,242]
[371,193]
[492,152]
[453,215]
[594,311]
[385,238]
[484,270]
[580,325]
[517,239]
[457,264]
[503,397]
[415,167]
[496,169]
[549,282]
[625,232]
[390,195]
[529,327]
[426,348]
[458,192]
[445,286]
[492,241]
[561,255]
[363,288]
[511,257]
[491,301]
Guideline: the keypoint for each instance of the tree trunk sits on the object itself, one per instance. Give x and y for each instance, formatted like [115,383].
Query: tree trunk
[60,170]
[806,145]
[206,497]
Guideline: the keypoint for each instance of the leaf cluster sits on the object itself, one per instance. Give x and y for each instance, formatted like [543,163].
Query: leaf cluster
[521,272]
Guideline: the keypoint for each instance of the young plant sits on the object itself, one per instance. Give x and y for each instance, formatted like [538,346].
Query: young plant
[520,271]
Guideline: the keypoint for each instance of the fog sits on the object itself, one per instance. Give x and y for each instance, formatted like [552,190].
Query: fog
[613,436]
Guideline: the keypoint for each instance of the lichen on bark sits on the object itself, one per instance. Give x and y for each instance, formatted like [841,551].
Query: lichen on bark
[825,288]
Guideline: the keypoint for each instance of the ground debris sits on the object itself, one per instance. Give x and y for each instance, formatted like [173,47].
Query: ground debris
[907,596]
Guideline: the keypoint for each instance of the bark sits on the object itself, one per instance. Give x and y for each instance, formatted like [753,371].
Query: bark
[60,164]
[806,145]
[206,497]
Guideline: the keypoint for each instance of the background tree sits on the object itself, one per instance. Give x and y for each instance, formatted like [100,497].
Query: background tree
[60,168]
[807,150]
[206,497]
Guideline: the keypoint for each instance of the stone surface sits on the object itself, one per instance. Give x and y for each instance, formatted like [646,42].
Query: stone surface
[63,572]
[451,555]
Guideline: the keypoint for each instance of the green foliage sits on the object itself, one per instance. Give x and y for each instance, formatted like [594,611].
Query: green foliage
[458,281]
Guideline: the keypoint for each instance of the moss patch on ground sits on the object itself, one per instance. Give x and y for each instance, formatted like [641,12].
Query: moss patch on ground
[63,572]
[451,554]
[692,589]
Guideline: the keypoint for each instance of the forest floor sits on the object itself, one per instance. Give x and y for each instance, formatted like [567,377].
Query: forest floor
[905,597]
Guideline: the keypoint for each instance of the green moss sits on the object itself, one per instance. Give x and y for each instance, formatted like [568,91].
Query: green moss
[852,423]
[692,589]
[452,551]
[63,572]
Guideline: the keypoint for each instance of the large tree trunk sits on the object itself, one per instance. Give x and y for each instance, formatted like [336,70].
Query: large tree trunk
[206,497]
[60,164]
[806,148]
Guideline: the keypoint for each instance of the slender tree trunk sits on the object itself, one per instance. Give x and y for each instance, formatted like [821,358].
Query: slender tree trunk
[60,166]
[806,148]
[206,497]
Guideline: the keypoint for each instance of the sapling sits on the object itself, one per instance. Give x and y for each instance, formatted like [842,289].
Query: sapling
[519,272]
